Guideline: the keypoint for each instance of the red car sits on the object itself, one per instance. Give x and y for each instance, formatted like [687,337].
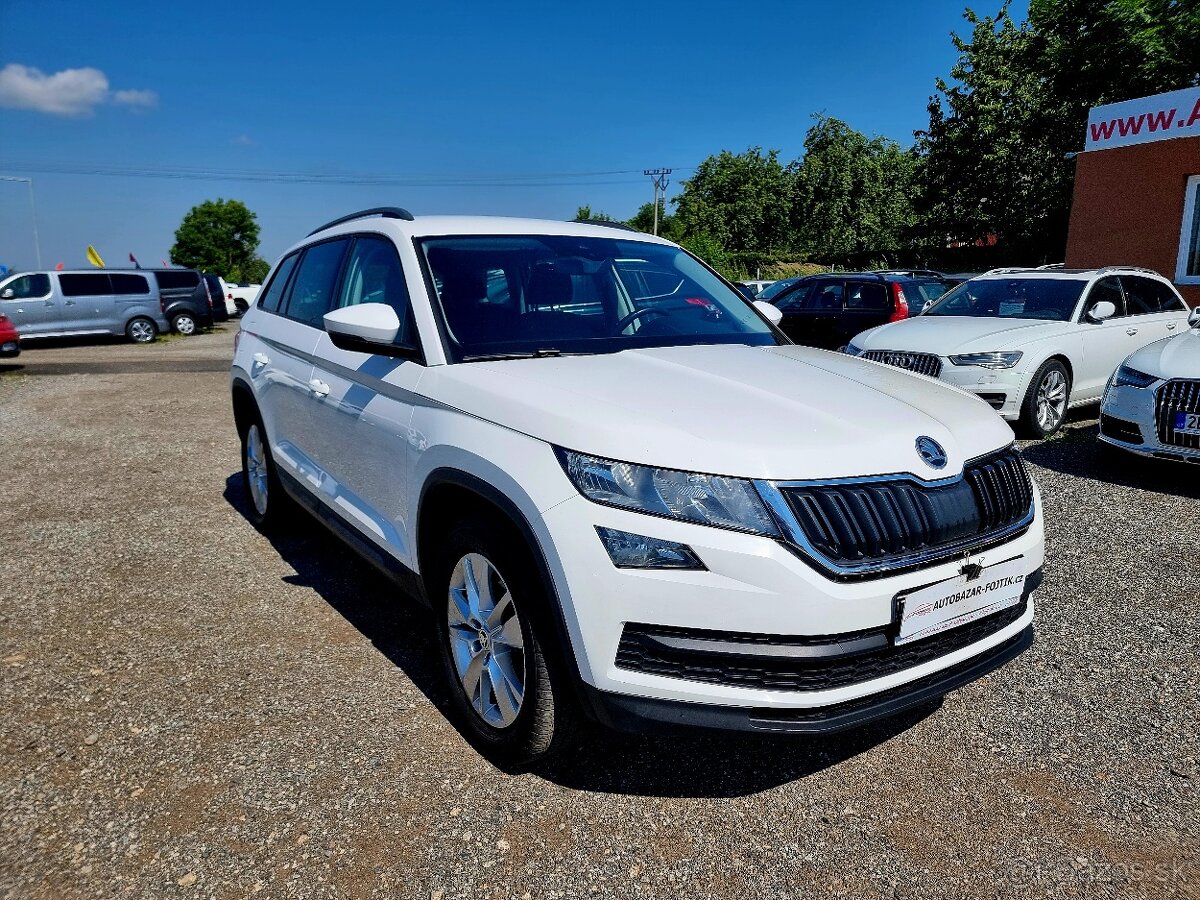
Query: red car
[10,338]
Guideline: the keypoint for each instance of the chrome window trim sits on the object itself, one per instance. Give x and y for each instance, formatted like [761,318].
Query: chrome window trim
[794,537]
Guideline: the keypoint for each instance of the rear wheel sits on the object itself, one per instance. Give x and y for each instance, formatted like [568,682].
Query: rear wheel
[514,704]
[184,323]
[141,330]
[1045,405]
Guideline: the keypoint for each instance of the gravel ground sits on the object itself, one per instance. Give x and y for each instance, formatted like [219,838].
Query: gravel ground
[188,709]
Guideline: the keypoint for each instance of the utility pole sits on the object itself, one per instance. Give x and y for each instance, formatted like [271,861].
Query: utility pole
[660,180]
[37,245]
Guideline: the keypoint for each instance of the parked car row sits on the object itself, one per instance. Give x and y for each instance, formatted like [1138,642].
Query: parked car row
[137,303]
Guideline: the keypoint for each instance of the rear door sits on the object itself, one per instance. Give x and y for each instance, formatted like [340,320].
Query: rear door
[87,302]
[362,404]
[131,297]
[868,303]
[1154,309]
[812,318]
[29,301]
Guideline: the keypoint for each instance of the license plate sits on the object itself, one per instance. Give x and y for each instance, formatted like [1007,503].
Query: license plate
[1187,422]
[949,604]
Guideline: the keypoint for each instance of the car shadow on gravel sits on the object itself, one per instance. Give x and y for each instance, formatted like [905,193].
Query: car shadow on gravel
[683,764]
[1077,452]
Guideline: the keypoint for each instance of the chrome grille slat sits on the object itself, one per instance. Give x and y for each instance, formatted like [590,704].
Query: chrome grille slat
[921,363]
[1177,395]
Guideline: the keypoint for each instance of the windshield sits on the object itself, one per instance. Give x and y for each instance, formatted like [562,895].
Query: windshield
[775,288]
[1012,298]
[542,295]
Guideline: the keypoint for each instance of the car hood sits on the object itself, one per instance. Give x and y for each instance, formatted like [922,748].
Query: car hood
[1173,357]
[944,335]
[757,412]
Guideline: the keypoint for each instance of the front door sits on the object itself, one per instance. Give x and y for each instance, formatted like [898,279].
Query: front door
[1105,344]
[362,405]
[29,302]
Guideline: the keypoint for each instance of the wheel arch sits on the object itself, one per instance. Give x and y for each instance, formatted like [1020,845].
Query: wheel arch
[245,406]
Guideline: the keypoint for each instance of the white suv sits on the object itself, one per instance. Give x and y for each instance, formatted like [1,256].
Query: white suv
[636,504]
[1032,342]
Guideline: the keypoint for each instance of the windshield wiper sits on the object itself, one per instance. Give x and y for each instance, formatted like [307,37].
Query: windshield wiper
[535,354]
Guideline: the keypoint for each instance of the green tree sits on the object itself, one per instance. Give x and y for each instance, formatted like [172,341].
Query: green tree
[742,201]
[219,236]
[709,249]
[643,220]
[253,272]
[585,213]
[853,195]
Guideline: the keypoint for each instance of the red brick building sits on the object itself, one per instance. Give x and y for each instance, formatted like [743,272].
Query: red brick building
[1137,189]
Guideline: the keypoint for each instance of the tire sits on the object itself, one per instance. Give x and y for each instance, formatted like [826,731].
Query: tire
[185,324]
[266,502]
[496,636]
[1045,406]
[141,330]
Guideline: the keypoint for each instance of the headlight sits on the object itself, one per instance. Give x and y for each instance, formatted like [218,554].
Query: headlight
[996,360]
[852,350]
[1133,378]
[705,499]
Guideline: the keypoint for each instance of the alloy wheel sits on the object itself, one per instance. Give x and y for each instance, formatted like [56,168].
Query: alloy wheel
[1051,400]
[256,469]
[486,642]
[185,325]
[141,331]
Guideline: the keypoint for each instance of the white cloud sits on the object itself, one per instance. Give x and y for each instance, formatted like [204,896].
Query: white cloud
[71,92]
[136,99]
[244,140]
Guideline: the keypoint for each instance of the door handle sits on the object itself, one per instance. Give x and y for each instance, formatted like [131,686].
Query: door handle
[262,359]
[1131,331]
[320,388]
[1171,326]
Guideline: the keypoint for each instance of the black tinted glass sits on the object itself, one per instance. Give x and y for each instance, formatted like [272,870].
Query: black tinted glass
[84,285]
[871,296]
[273,293]
[123,283]
[1145,295]
[181,278]
[35,285]
[826,296]
[311,295]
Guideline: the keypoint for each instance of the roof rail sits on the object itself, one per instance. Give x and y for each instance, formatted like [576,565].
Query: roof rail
[1008,270]
[914,273]
[386,212]
[605,223]
[1051,266]
[1127,269]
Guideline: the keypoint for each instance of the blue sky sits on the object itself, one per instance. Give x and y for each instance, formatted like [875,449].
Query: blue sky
[458,98]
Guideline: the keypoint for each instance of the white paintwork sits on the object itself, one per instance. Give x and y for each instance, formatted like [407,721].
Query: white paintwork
[773,313]
[1092,350]
[369,445]
[376,322]
[1176,357]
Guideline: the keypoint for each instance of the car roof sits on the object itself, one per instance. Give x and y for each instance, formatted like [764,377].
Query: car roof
[1058,274]
[444,226]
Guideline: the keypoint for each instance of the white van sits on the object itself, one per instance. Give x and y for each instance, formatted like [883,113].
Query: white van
[70,303]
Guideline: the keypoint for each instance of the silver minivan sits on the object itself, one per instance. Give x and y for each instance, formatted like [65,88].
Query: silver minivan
[61,304]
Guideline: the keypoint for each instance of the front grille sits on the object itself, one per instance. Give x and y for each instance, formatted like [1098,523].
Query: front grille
[744,660]
[922,363]
[1177,396]
[1120,429]
[881,522]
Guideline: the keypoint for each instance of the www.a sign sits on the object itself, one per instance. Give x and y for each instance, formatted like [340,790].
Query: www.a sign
[1158,118]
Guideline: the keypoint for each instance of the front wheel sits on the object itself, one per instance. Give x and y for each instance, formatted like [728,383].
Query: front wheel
[141,330]
[491,608]
[1045,405]
[184,323]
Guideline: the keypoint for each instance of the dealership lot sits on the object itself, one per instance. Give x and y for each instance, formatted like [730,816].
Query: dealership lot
[190,709]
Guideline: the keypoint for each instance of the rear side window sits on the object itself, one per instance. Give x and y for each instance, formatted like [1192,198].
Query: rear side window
[177,278]
[35,285]
[123,283]
[273,293]
[311,295]
[84,285]
[1146,295]
[867,296]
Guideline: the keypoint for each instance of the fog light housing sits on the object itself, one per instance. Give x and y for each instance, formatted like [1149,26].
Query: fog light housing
[636,551]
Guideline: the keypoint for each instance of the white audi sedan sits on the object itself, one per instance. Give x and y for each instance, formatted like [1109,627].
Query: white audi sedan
[1152,403]
[1032,342]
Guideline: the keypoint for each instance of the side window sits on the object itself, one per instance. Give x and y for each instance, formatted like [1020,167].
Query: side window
[1145,295]
[826,297]
[84,285]
[1107,289]
[867,296]
[177,279]
[311,295]
[273,292]
[123,283]
[792,300]
[374,275]
[28,286]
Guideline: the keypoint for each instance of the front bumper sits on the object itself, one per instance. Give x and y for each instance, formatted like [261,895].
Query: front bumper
[1127,414]
[1002,389]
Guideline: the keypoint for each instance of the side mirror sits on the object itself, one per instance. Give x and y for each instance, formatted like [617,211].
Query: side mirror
[368,328]
[8,294]
[1194,318]
[772,312]
[1101,311]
